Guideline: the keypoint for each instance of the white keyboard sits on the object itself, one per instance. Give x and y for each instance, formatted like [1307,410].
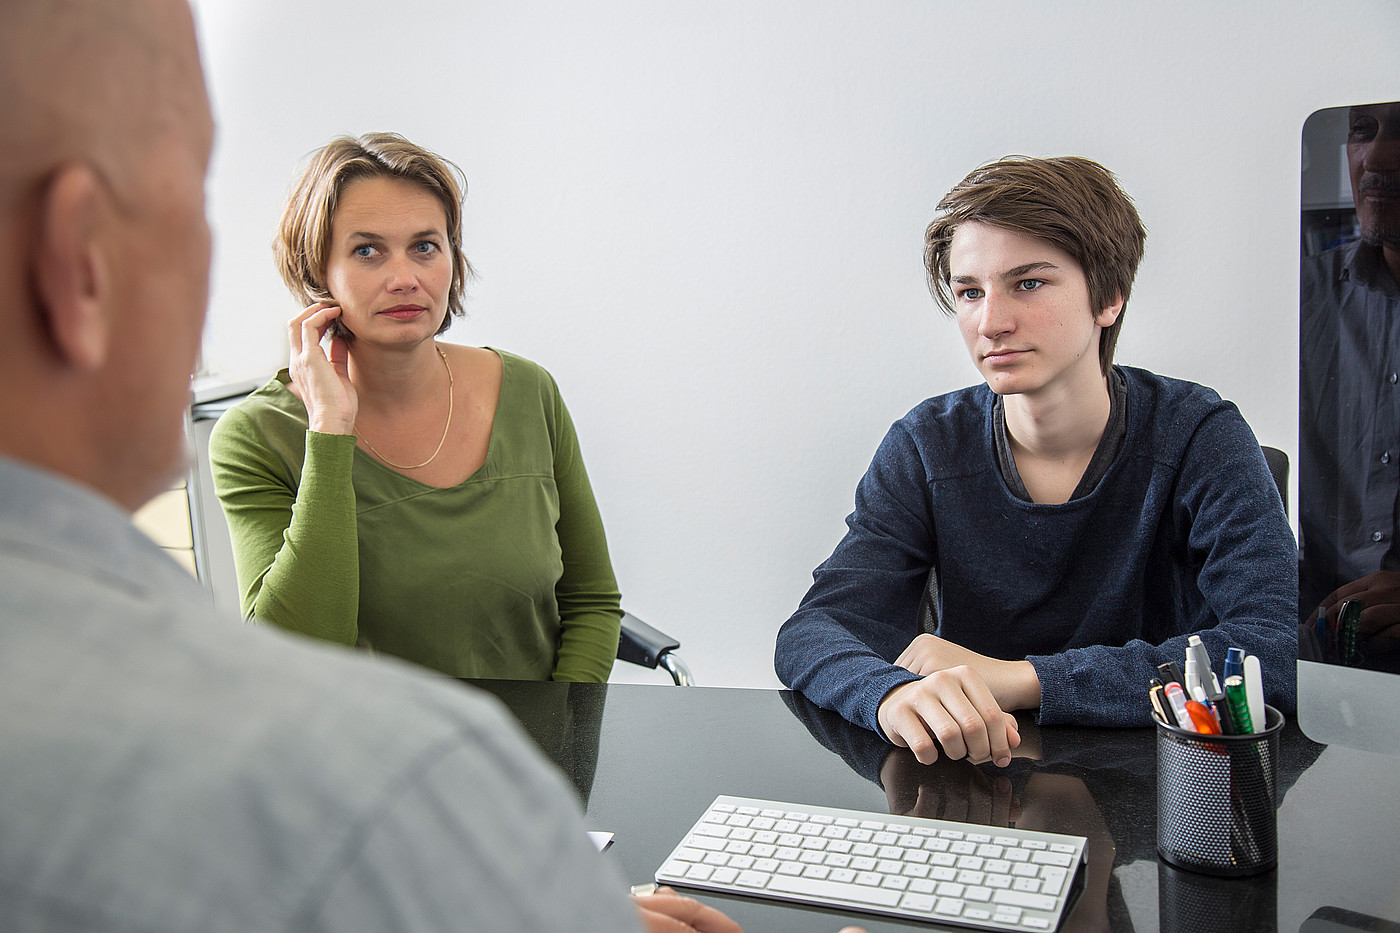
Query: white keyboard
[987,877]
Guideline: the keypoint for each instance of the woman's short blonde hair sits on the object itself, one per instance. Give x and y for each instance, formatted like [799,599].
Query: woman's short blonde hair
[303,237]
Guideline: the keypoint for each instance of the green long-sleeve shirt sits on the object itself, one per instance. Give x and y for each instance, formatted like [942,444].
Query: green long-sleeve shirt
[505,575]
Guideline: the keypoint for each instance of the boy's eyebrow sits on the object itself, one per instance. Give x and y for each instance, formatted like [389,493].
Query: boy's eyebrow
[1017,272]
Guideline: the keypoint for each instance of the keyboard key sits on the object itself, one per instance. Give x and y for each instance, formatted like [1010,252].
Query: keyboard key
[1024,899]
[835,891]
[918,902]
[1052,880]
[753,879]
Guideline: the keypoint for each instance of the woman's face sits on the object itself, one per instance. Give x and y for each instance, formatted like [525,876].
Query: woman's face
[389,265]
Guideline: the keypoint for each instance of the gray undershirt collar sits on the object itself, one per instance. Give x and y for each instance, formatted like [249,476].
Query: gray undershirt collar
[1104,454]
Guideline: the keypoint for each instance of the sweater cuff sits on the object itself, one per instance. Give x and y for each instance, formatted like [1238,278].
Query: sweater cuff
[1057,699]
[329,457]
[879,687]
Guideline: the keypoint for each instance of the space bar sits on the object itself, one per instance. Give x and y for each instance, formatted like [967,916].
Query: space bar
[834,890]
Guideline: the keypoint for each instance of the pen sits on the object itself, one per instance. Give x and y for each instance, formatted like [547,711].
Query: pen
[1201,719]
[1199,676]
[1237,700]
[1169,672]
[1176,696]
[1234,662]
[1348,623]
[1157,695]
[1223,712]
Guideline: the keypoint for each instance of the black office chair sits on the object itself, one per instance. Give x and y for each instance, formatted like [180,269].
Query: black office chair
[638,642]
[641,644]
[1278,466]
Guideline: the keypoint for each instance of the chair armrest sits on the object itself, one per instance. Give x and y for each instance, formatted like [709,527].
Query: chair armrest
[641,644]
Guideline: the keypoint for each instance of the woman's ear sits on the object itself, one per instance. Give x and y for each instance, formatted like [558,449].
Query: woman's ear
[71,278]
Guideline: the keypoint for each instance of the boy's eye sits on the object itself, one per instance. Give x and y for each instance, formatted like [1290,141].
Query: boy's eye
[1029,285]
[970,294]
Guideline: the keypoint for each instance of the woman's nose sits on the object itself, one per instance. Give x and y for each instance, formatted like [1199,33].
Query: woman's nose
[401,275]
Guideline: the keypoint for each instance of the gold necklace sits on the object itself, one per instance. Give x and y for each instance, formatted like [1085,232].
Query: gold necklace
[442,440]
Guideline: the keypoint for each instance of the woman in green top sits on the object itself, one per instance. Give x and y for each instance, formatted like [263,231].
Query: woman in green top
[419,499]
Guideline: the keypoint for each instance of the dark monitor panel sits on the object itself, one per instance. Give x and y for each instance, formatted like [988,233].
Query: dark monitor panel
[1349,428]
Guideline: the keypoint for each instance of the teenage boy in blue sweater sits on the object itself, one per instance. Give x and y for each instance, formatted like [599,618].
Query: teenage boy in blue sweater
[1045,540]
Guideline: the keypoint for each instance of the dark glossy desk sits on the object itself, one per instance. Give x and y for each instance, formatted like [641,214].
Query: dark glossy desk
[648,759]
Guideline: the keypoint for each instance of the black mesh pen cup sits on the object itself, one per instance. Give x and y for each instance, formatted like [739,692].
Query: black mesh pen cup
[1217,797]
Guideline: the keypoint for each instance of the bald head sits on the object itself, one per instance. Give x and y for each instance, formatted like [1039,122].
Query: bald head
[104,143]
[91,79]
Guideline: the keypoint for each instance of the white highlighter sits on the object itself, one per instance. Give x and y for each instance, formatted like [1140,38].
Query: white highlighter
[1254,691]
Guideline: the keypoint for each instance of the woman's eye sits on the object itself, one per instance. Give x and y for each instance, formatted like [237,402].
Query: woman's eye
[426,247]
[363,251]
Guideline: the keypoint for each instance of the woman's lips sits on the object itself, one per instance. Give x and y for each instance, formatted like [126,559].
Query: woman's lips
[403,312]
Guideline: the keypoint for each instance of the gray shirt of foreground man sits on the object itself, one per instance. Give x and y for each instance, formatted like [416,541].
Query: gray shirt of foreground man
[165,770]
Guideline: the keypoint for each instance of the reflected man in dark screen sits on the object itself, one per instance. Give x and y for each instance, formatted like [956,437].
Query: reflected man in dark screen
[1349,406]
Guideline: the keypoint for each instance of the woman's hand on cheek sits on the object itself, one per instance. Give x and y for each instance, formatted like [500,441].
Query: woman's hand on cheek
[321,380]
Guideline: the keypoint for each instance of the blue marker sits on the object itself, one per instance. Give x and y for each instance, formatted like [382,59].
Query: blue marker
[1234,663]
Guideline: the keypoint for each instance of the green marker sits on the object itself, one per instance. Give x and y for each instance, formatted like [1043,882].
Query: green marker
[1238,700]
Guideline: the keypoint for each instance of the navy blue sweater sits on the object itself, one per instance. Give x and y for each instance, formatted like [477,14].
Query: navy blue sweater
[1184,534]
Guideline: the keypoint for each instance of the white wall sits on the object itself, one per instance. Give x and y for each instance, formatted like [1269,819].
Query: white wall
[706,219]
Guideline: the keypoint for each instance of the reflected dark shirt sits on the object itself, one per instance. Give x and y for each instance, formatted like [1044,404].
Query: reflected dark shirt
[1349,420]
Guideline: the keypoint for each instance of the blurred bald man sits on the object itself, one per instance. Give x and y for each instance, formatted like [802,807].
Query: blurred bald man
[161,769]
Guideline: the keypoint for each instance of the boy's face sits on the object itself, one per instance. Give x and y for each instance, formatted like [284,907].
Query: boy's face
[1024,312]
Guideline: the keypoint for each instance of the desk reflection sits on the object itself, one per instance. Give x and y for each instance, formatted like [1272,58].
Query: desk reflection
[566,722]
[1027,795]
[648,759]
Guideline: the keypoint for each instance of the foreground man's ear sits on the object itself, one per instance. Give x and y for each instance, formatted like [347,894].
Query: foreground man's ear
[71,277]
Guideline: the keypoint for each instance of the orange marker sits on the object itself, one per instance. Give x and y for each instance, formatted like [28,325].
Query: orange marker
[1201,718]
